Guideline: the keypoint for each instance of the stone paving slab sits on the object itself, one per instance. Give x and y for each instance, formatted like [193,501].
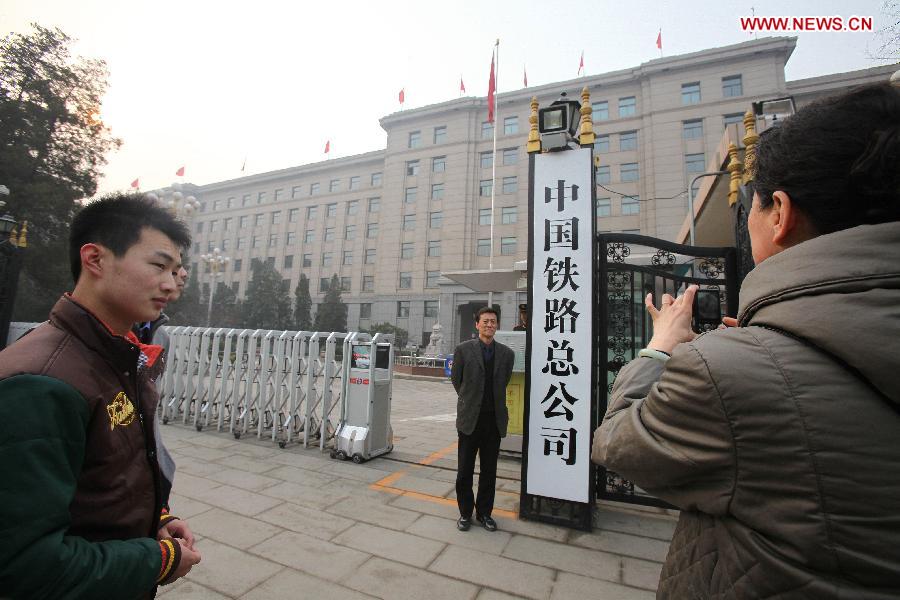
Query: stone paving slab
[569,586]
[232,529]
[387,579]
[397,546]
[444,530]
[562,557]
[228,570]
[291,585]
[495,571]
[309,521]
[311,555]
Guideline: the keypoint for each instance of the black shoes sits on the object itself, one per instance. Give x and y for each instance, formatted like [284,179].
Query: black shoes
[464,523]
[488,523]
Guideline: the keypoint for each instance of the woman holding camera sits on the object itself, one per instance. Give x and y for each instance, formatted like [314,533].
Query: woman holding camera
[777,438]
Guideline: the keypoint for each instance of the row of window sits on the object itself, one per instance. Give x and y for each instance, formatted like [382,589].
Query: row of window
[274,218]
[510,127]
[631,205]
[368,282]
[509,156]
[430,309]
[439,136]
[732,86]
[510,185]
[411,193]
[627,172]
[438,165]
[334,185]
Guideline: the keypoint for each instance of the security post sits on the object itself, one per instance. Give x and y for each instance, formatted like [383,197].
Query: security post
[557,484]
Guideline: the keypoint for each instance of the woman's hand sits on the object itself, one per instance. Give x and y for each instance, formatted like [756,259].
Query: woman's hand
[672,321]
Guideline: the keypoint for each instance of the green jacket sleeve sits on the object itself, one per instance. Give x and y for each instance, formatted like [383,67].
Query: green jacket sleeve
[42,439]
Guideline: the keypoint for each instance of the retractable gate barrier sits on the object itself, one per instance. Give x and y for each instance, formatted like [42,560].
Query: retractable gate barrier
[285,385]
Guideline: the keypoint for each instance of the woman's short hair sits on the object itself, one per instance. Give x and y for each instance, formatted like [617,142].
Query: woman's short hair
[837,158]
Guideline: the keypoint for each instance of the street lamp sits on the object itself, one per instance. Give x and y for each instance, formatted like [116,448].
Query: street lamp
[215,264]
[172,198]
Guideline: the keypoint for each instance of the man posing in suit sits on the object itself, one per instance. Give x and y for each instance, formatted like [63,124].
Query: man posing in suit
[481,370]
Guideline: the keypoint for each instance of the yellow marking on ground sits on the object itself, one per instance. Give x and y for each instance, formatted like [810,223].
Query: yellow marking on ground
[435,456]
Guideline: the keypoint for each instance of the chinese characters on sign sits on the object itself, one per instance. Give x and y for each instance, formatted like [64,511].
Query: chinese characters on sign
[561,342]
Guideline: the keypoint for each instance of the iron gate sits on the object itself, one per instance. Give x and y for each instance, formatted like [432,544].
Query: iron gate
[630,266]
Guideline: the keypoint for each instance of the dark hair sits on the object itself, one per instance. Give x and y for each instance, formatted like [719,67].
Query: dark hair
[486,309]
[837,158]
[116,222]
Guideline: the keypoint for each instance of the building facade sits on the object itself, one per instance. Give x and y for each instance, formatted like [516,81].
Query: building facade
[390,223]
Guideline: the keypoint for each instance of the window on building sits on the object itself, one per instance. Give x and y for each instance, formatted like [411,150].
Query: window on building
[487,130]
[405,280]
[345,284]
[289,261]
[324,282]
[415,139]
[329,234]
[239,244]
[434,247]
[510,125]
[245,200]
[627,106]
[601,144]
[213,226]
[331,210]
[509,215]
[326,259]
[412,167]
[484,216]
[600,111]
[278,194]
[309,236]
[437,191]
[431,309]
[438,164]
[255,242]
[690,93]
[370,256]
[510,156]
[230,202]
[407,249]
[371,230]
[347,258]
[692,130]
[732,119]
[276,217]
[436,219]
[270,262]
[440,134]
[224,245]
[350,232]
[694,163]
[260,197]
[290,238]
[483,247]
[313,189]
[368,283]
[409,222]
[484,188]
[296,191]
[628,140]
[628,172]
[258,219]
[376,180]
[243,221]
[354,182]
[631,205]
[293,215]
[307,260]
[410,195]
[431,278]
[732,86]
[237,265]
[311,212]
[604,207]
[352,207]
[226,224]
[374,204]
[365,310]
[487,160]
[603,175]
[507,246]
[403,309]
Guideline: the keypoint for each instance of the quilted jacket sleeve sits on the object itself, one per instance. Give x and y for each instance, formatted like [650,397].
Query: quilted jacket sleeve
[666,430]
[42,439]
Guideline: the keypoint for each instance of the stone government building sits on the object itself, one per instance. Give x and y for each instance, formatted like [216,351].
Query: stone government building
[390,223]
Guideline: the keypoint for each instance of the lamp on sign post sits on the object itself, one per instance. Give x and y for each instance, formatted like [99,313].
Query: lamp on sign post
[215,264]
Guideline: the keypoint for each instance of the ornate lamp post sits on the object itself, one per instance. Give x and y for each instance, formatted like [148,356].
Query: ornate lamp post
[215,264]
[172,198]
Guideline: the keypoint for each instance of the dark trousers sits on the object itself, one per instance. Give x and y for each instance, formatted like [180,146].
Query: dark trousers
[485,440]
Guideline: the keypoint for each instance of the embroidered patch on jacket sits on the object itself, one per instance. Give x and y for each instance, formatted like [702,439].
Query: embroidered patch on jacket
[121,411]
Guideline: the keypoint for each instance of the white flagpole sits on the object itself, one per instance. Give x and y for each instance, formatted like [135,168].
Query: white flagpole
[494,158]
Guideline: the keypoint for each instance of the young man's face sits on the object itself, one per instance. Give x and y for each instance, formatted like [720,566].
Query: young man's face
[486,325]
[138,285]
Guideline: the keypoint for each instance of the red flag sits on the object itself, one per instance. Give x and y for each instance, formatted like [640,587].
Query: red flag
[180,172]
[659,40]
[525,76]
[327,146]
[462,86]
[581,64]
[402,95]
[134,184]
[492,89]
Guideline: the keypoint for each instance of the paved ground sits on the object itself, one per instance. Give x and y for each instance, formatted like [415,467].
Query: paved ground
[292,523]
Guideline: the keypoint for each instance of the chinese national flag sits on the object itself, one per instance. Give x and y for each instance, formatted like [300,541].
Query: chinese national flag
[462,86]
[581,64]
[659,40]
[402,95]
[134,184]
[327,146]
[492,89]
[180,172]
[524,77]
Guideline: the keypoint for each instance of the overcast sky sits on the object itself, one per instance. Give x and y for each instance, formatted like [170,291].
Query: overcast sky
[205,84]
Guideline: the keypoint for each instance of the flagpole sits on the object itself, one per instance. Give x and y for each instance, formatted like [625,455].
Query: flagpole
[494,158]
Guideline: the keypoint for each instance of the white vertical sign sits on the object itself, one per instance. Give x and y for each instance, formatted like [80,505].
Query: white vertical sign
[561,332]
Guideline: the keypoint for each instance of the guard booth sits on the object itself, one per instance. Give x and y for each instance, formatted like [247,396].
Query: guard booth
[364,430]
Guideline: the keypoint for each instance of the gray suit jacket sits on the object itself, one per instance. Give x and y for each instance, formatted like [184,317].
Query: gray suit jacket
[467,375]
